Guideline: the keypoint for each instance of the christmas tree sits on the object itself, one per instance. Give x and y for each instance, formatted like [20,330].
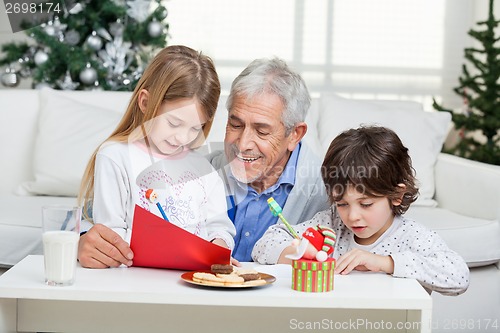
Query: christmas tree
[480,91]
[96,44]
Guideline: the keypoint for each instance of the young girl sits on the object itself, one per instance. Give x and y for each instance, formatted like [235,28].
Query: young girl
[369,178]
[148,160]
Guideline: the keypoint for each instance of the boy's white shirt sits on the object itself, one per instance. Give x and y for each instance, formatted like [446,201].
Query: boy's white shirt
[417,252]
[188,188]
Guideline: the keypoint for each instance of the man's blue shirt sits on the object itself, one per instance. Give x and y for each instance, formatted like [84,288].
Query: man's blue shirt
[252,216]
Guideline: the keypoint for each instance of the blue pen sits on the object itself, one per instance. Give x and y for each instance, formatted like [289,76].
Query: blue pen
[152,196]
[162,211]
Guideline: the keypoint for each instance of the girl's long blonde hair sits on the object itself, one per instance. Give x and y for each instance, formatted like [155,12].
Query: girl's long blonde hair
[175,72]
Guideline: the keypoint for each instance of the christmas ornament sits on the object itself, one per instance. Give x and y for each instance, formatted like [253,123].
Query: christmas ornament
[96,86]
[49,29]
[76,9]
[67,83]
[88,75]
[138,9]
[94,41]
[116,28]
[24,70]
[10,78]
[41,57]
[72,37]
[59,28]
[162,13]
[16,66]
[104,34]
[116,56]
[155,28]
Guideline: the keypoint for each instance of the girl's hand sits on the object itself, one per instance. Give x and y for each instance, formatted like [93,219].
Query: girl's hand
[220,242]
[235,262]
[360,260]
[101,247]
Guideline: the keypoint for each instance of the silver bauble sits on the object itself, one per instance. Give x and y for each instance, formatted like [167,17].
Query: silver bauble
[96,86]
[41,57]
[88,75]
[163,13]
[50,30]
[72,37]
[155,29]
[10,79]
[94,41]
[116,29]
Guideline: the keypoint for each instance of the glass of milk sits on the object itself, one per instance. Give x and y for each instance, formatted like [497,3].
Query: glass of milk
[61,232]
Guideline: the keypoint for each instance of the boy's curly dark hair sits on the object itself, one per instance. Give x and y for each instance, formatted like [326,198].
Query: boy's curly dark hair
[372,159]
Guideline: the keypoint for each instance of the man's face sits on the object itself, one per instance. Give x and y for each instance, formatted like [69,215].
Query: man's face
[255,143]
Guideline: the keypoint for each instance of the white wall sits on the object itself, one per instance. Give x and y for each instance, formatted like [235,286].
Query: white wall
[479,7]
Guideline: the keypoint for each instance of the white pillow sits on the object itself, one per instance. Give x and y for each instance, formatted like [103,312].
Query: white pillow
[68,133]
[423,133]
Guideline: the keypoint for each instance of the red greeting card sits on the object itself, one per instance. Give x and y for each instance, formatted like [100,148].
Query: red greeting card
[161,244]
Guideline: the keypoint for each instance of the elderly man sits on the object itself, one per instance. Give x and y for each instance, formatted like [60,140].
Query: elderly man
[264,153]
[263,157]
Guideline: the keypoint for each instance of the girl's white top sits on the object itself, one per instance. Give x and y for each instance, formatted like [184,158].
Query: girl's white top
[189,190]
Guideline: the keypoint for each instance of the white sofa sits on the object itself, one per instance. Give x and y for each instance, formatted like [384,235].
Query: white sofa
[47,137]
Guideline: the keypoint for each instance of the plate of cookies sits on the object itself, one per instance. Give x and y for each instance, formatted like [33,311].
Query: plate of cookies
[228,276]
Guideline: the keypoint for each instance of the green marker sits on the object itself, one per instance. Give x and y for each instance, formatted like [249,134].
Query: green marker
[276,210]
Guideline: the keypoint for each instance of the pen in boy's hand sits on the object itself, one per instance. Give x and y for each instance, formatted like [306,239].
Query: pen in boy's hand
[277,211]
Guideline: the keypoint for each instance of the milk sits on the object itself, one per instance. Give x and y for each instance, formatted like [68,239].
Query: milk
[60,253]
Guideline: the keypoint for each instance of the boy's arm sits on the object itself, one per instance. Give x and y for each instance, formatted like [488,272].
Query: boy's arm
[275,243]
[269,247]
[429,260]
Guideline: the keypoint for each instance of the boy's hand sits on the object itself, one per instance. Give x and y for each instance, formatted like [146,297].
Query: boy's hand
[283,256]
[360,260]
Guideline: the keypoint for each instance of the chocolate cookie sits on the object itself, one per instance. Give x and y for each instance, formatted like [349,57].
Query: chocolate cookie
[248,274]
[221,269]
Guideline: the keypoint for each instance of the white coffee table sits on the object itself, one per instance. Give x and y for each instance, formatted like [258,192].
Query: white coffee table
[156,300]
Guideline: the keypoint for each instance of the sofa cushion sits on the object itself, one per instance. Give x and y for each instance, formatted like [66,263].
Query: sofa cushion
[17,136]
[423,133]
[68,133]
[476,240]
[20,225]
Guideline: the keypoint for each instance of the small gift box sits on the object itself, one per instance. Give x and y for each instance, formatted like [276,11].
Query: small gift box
[312,275]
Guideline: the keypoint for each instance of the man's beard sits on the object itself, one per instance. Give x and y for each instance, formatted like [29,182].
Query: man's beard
[240,174]
[238,168]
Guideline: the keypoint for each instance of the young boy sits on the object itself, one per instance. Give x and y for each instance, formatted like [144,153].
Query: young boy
[369,177]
